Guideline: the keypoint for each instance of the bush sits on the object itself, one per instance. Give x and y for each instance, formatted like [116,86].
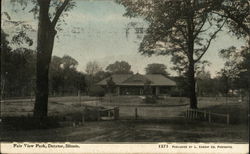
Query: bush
[178,93]
[150,99]
[96,91]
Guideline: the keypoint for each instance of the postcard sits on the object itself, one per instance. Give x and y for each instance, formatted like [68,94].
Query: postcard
[125,76]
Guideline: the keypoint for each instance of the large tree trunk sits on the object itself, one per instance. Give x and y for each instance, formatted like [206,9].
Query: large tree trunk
[191,81]
[45,43]
[191,69]
[248,72]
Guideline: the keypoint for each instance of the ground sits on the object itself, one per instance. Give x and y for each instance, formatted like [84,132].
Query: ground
[162,122]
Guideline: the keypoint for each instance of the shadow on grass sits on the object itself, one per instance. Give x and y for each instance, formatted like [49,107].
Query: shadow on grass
[238,112]
[29,123]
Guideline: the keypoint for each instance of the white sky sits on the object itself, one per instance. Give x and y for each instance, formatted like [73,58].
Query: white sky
[99,34]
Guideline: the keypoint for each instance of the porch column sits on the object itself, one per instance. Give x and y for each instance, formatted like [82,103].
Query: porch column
[118,91]
[157,90]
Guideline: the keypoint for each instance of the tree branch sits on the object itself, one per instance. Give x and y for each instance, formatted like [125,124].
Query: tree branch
[59,12]
[199,29]
[230,16]
[209,42]
[182,32]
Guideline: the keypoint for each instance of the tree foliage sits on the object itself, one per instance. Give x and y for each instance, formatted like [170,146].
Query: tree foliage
[119,67]
[92,68]
[236,69]
[237,14]
[64,77]
[156,68]
[17,69]
[18,72]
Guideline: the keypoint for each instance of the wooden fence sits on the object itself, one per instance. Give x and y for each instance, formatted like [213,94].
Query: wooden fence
[194,114]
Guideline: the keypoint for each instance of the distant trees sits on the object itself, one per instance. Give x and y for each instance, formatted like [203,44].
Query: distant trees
[18,72]
[244,79]
[64,78]
[17,69]
[92,68]
[205,84]
[119,67]
[5,49]
[156,68]
[100,75]
[236,69]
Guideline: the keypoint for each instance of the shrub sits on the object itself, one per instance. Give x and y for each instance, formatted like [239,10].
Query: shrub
[96,91]
[178,93]
[92,113]
[150,99]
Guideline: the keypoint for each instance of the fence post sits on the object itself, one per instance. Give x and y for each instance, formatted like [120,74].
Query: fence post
[136,114]
[187,114]
[228,119]
[209,117]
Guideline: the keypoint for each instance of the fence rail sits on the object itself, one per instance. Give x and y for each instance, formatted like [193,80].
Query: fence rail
[194,114]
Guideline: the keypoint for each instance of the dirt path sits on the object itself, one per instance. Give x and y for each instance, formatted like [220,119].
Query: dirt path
[169,130]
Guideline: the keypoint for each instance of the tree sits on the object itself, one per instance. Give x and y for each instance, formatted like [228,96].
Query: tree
[119,67]
[100,75]
[92,68]
[55,74]
[238,19]
[17,68]
[237,14]
[244,66]
[236,68]
[204,83]
[64,77]
[48,13]
[156,68]
[45,42]
[80,82]
[5,49]
[177,28]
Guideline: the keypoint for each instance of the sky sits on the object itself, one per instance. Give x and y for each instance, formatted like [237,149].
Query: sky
[95,31]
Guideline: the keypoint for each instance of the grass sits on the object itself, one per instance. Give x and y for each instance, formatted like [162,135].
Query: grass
[28,123]
[155,124]
[168,130]
[238,111]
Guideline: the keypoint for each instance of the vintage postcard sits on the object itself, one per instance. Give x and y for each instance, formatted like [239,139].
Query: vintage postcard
[125,76]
